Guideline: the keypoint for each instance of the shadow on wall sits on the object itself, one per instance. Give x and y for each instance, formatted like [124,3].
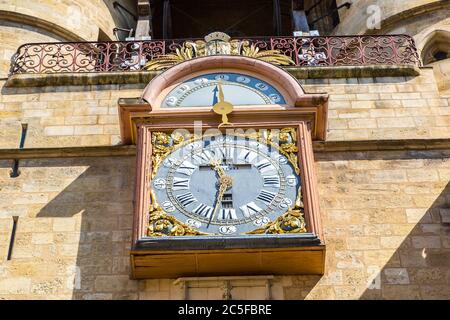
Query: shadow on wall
[92,217]
[420,267]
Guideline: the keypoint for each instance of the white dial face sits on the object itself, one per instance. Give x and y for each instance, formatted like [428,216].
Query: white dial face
[226,185]
[239,89]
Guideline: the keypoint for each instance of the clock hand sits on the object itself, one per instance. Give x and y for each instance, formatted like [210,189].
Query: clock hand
[222,190]
[222,107]
[225,182]
[221,95]
[218,168]
[215,100]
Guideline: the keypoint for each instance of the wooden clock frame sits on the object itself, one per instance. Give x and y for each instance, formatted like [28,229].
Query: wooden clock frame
[171,257]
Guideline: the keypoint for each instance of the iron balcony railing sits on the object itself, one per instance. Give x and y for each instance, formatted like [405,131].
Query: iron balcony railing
[82,57]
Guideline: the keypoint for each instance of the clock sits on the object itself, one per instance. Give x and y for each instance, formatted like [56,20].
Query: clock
[240,90]
[229,184]
[224,161]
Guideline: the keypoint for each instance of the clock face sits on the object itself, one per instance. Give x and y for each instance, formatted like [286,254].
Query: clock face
[238,89]
[226,185]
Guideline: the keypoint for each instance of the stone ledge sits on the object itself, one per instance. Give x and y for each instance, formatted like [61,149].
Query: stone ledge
[318,146]
[144,77]
[381,145]
[69,152]
[369,71]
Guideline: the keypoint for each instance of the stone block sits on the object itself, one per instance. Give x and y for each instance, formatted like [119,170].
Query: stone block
[115,283]
[392,242]
[88,129]
[363,243]
[403,292]
[59,130]
[42,238]
[362,123]
[15,286]
[418,215]
[421,175]
[421,242]
[74,120]
[396,275]
[64,224]
[396,122]
[445,215]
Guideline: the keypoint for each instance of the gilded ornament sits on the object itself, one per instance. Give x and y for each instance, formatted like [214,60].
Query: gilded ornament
[217,43]
[161,224]
[290,222]
[163,144]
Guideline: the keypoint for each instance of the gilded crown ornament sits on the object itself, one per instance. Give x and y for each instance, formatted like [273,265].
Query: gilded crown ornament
[217,43]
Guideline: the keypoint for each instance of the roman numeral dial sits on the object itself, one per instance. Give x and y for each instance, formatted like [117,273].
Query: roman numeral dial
[225,185]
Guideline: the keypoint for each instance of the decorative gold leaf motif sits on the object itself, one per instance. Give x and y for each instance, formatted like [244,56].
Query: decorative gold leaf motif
[163,144]
[217,43]
[161,224]
[271,56]
[290,222]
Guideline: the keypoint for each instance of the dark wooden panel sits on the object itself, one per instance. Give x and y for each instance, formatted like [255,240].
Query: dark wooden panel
[174,264]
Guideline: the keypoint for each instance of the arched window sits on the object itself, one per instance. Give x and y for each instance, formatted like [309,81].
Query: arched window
[437,48]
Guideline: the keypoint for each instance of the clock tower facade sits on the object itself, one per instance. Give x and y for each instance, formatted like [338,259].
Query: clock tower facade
[226,171]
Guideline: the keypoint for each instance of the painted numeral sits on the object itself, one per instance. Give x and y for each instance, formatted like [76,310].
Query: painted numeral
[265,166]
[250,209]
[266,196]
[168,206]
[186,168]
[169,162]
[261,221]
[204,157]
[271,181]
[291,180]
[227,214]
[247,156]
[227,229]
[193,223]
[186,199]
[159,184]
[180,184]
[203,210]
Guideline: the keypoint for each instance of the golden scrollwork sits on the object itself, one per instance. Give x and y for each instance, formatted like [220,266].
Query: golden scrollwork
[161,224]
[217,43]
[292,221]
[286,141]
[163,144]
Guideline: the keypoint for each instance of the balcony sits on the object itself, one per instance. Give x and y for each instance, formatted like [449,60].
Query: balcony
[134,56]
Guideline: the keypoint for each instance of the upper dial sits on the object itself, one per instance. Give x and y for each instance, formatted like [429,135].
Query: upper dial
[239,89]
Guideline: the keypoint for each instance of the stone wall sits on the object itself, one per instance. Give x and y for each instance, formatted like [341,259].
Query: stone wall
[354,20]
[65,116]
[384,108]
[359,109]
[12,36]
[82,19]
[382,214]
[386,214]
